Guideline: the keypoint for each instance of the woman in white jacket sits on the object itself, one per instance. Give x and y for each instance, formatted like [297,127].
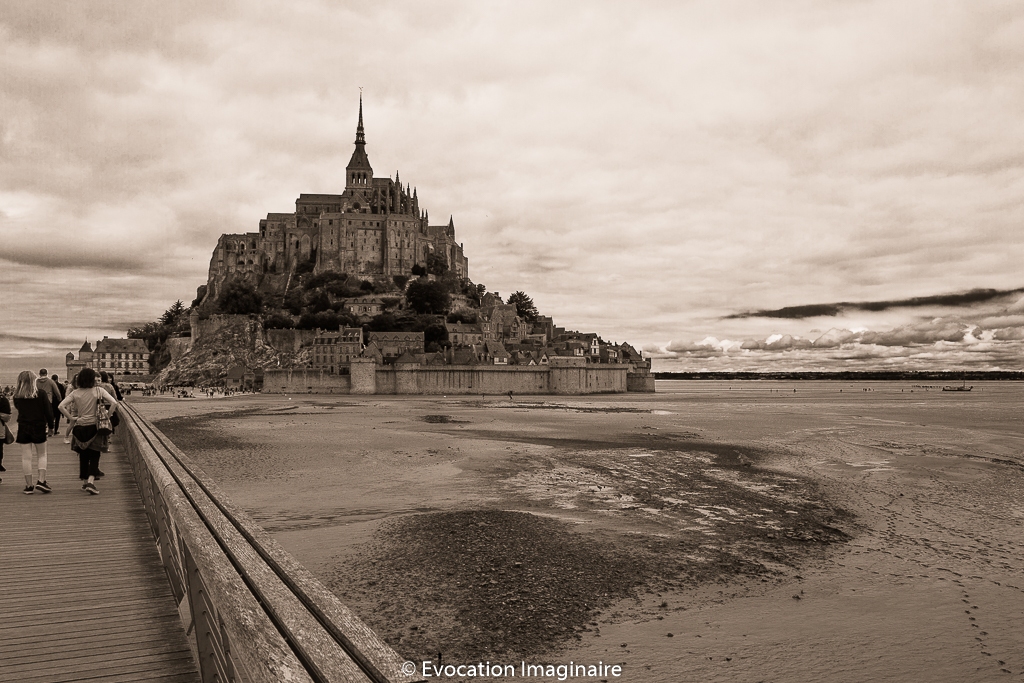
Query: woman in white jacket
[87,401]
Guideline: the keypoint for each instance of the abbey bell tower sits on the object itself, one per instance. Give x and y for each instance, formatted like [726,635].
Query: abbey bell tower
[359,174]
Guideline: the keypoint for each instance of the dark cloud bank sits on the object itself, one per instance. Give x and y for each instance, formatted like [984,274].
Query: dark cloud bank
[969,298]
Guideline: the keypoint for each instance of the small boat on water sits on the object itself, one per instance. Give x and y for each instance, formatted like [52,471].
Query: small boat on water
[962,387]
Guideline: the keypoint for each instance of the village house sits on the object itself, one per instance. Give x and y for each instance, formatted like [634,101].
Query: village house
[464,334]
[333,350]
[365,306]
[393,344]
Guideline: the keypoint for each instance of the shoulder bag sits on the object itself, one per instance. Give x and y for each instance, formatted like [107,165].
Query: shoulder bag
[103,426]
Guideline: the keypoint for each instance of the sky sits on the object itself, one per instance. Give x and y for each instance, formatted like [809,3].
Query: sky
[726,185]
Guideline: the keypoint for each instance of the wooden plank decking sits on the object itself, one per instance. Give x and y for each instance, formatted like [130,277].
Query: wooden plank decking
[83,596]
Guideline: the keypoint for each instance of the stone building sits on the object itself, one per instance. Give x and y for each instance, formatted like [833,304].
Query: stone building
[464,334]
[115,356]
[375,227]
[394,344]
[334,350]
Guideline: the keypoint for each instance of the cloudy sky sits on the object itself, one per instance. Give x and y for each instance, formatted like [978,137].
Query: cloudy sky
[726,184]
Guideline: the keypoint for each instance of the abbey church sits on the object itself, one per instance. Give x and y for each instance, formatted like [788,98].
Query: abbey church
[374,228]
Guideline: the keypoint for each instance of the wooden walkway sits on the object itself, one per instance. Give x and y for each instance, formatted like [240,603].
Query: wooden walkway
[83,596]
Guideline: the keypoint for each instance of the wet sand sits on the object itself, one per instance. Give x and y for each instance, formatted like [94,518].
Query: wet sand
[872,534]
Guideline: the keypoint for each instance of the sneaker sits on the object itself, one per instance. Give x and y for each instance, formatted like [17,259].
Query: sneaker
[99,474]
[29,490]
[43,486]
[67,439]
[91,488]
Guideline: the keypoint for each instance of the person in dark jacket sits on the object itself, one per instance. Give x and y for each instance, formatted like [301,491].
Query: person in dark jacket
[56,413]
[35,414]
[48,387]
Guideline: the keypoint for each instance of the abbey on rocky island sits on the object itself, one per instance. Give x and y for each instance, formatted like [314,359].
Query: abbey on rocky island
[374,228]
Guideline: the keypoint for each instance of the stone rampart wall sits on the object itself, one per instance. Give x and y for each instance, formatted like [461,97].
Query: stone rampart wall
[641,382]
[368,378]
[304,382]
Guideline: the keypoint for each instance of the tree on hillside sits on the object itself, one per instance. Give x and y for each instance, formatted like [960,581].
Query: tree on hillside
[437,264]
[324,278]
[173,315]
[384,322]
[435,337]
[524,306]
[239,298]
[428,297]
[326,319]
[293,301]
[318,302]
[465,317]
[174,321]
[278,321]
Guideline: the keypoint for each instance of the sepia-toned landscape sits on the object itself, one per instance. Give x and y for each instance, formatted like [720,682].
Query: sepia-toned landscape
[711,531]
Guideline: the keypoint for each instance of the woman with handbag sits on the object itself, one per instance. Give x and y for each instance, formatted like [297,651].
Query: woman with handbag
[35,413]
[91,426]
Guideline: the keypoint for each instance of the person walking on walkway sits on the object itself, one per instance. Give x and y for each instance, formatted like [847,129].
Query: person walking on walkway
[86,402]
[71,387]
[35,413]
[5,417]
[56,403]
[49,387]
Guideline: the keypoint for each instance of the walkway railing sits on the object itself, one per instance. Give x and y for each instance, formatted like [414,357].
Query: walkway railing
[254,614]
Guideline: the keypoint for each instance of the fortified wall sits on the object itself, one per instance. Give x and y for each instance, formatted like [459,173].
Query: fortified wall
[369,378]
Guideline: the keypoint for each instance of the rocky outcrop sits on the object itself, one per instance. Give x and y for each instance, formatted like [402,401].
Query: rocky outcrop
[226,341]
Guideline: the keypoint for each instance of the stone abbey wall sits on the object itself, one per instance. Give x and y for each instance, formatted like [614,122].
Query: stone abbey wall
[369,378]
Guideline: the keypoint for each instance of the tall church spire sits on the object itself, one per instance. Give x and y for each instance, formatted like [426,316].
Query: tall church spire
[360,138]
[359,172]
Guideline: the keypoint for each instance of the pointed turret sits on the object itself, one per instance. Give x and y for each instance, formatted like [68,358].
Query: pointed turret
[359,172]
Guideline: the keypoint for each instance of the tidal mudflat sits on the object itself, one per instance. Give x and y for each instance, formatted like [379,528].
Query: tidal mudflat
[712,531]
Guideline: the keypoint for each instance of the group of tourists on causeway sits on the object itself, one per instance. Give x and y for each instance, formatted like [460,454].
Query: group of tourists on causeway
[89,404]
